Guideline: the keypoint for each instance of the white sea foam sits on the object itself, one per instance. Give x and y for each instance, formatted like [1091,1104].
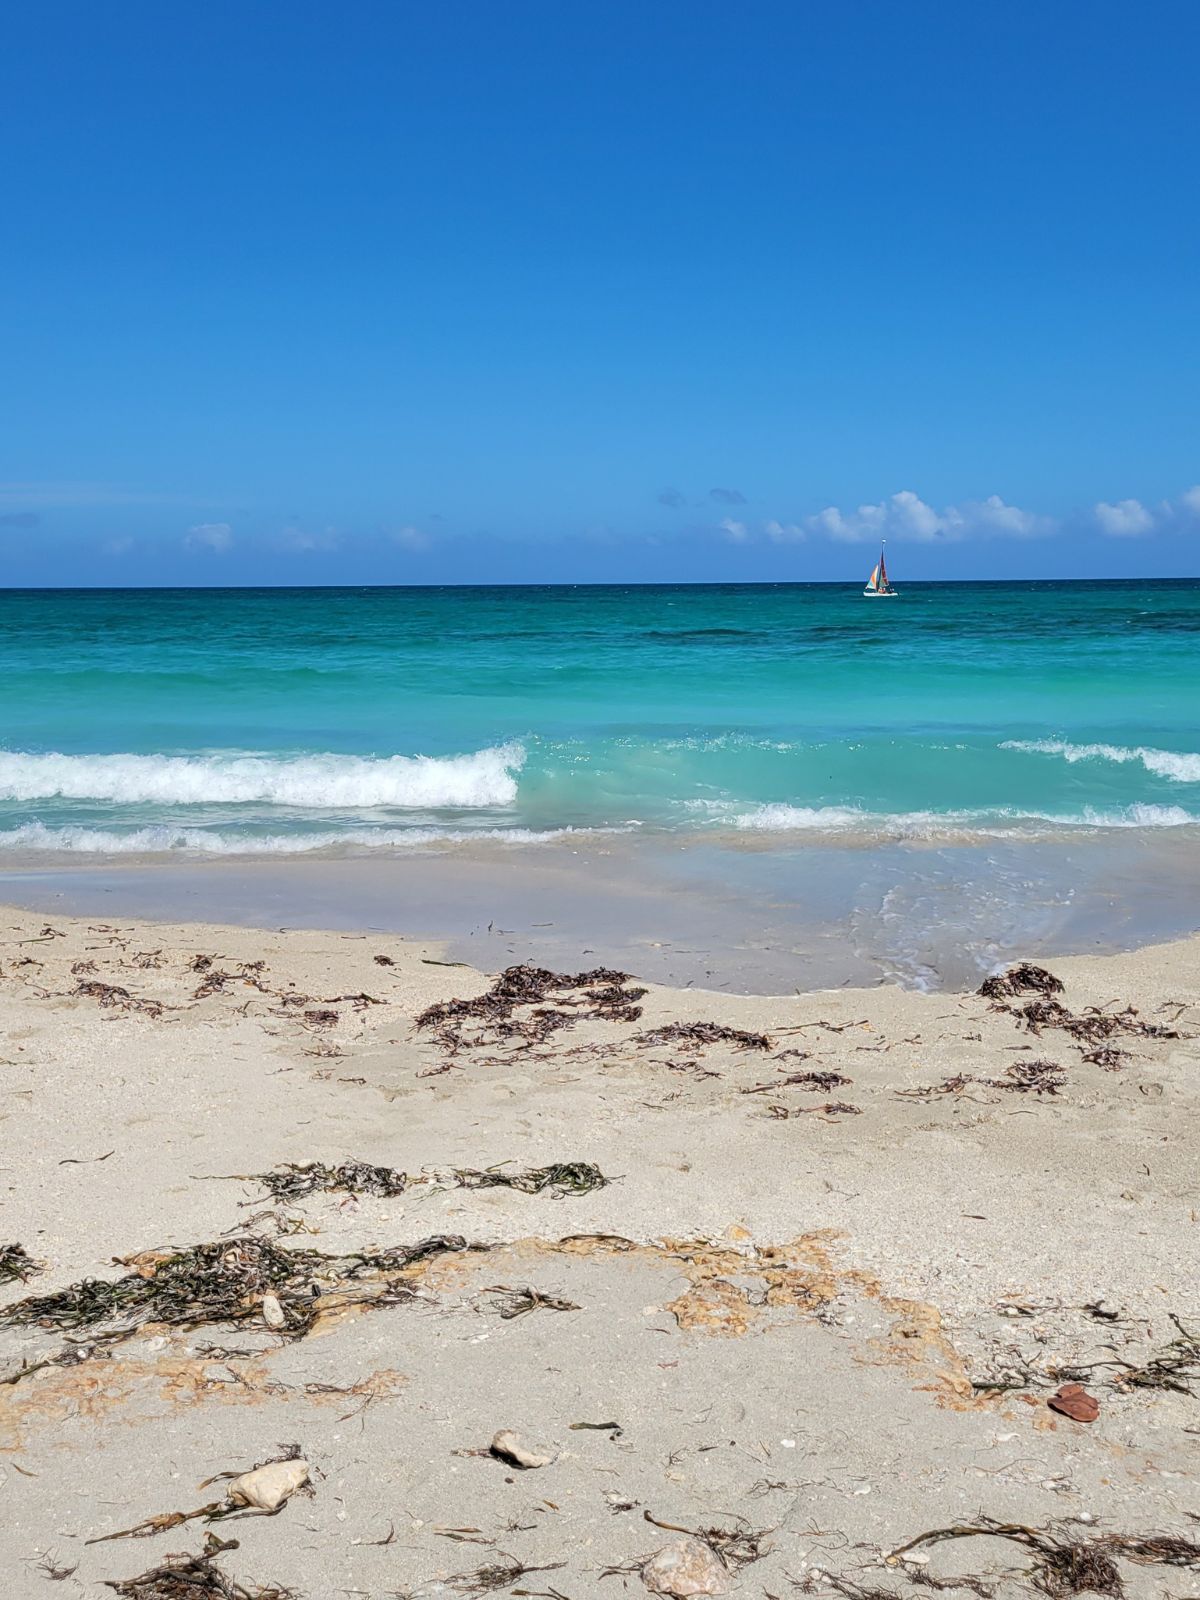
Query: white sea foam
[327,782]
[1001,822]
[165,839]
[779,818]
[1178,766]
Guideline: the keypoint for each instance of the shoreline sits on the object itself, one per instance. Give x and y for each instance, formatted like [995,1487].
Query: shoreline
[755,919]
[843,1252]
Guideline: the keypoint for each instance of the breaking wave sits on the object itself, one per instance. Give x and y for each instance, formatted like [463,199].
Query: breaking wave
[779,818]
[164,839]
[319,782]
[1179,767]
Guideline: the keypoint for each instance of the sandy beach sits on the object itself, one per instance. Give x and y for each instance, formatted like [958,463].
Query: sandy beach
[796,1295]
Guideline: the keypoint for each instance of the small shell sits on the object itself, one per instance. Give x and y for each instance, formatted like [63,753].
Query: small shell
[272,1311]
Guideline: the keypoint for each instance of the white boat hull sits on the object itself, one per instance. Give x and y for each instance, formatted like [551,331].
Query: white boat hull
[880,594]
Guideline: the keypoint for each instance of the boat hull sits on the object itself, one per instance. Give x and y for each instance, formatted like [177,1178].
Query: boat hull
[880,594]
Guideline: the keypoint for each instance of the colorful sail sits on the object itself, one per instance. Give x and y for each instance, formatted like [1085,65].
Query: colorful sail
[877,583]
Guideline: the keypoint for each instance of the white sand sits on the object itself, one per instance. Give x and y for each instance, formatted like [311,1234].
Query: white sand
[790,1334]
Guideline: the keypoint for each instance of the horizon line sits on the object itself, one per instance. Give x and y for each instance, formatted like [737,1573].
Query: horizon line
[625,583]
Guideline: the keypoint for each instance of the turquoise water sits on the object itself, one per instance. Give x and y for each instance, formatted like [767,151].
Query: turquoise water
[348,720]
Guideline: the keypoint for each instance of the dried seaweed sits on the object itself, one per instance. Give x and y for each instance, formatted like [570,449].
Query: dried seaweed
[1066,1566]
[497,1575]
[563,1178]
[954,1085]
[112,994]
[222,1282]
[702,1033]
[1091,1027]
[1030,1077]
[293,1180]
[555,995]
[1024,978]
[195,1578]
[824,1081]
[736,1546]
[1176,1367]
[831,1108]
[848,1587]
[16,1263]
[512,1303]
[1108,1057]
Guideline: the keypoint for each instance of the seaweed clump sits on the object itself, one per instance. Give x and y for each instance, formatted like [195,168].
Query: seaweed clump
[1024,978]
[1026,1077]
[196,1578]
[1092,1030]
[1064,1567]
[16,1264]
[560,1000]
[223,1282]
[563,1178]
[294,1180]
[702,1033]
[1175,1367]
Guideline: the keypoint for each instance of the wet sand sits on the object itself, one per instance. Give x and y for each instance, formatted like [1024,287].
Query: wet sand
[824,1298]
[746,913]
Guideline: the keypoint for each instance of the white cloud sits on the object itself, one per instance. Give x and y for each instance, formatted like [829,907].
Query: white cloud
[117,547]
[905,515]
[1189,501]
[994,516]
[216,537]
[737,532]
[1127,519]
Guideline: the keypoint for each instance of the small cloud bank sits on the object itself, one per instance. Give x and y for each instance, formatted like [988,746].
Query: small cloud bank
[1130,519]
[675,498]
[905,515]
[20,519]
[727,497]
[213,537]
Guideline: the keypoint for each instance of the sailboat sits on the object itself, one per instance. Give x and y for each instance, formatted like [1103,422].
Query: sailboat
[878,587]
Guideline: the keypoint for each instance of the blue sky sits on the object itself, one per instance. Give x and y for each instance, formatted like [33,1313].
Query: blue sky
[397,292]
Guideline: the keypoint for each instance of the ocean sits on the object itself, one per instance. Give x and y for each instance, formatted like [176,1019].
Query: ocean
[346,721]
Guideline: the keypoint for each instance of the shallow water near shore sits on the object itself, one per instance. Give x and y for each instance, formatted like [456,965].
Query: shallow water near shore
[765,921]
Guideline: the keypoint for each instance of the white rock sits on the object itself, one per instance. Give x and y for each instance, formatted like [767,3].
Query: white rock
[267,1488]
[685,1567]
[272,1311]
[509,1448]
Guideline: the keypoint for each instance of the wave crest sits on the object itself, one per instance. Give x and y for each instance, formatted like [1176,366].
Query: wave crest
[1178,766]
[319,782]
[165,839]
[999,822]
